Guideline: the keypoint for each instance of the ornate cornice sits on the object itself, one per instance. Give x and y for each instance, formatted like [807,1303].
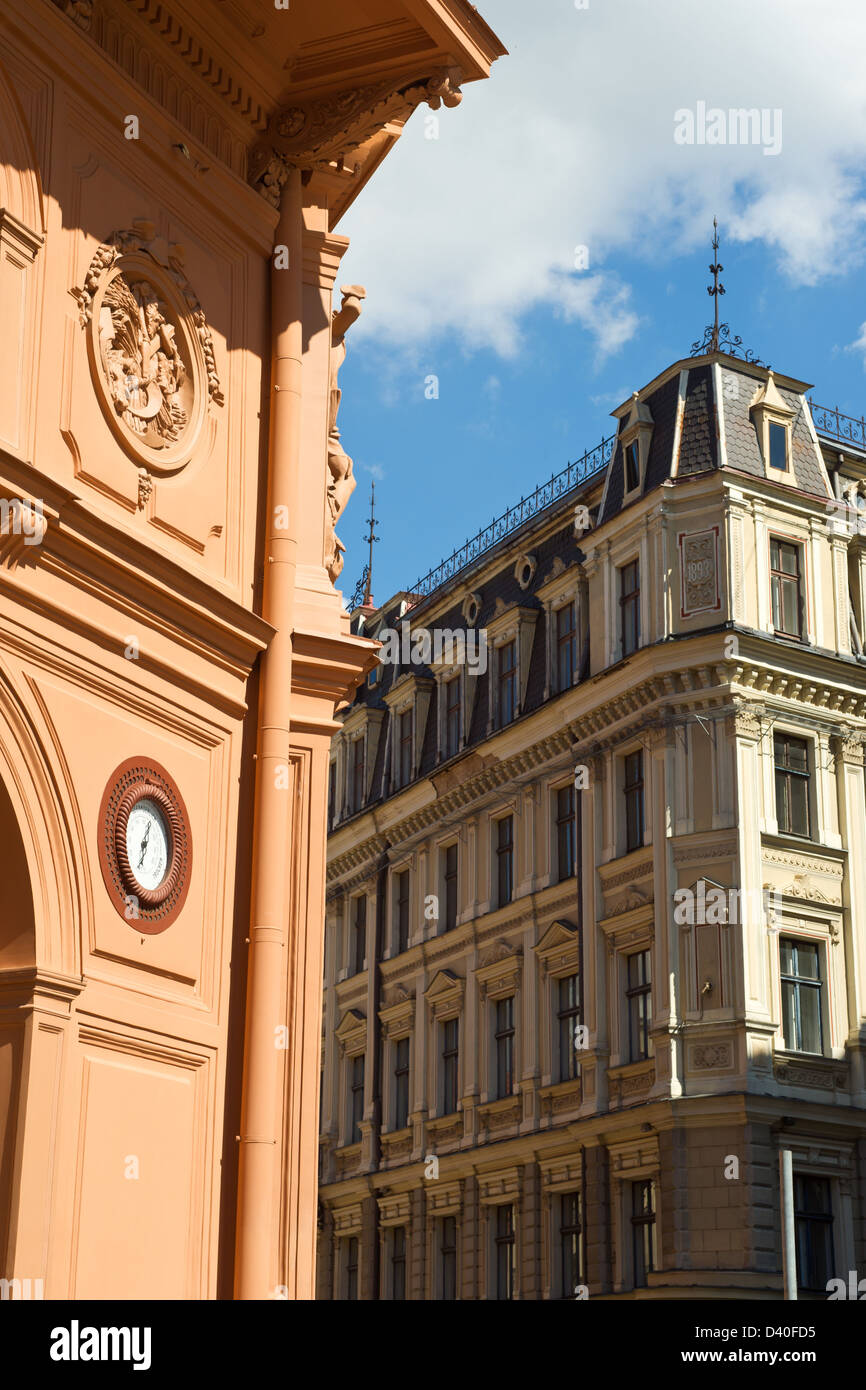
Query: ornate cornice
[313,134]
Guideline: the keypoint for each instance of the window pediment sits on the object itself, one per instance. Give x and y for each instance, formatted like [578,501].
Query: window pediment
[559,947]
[352,1033]
[444,994]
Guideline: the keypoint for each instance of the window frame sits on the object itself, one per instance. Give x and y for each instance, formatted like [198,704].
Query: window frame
[449,878]
[506,679]
[400,906]
[504,1032]
[802,984]
[565,827]
[504,853]
[633,797]
[778,577]
[784,770]
[629,606]
[452,716]
[805,1220]
[644,1226]
[401,1078]
[505,1252]
[447,1257]
[566,641]
[640,1048]
[567,1019]
[573,1230]
[356,1089]
[449,1057]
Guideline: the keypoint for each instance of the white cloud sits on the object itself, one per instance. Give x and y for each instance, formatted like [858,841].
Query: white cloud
[571,143]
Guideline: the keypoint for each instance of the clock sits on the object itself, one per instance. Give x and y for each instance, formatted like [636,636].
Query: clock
[145,845]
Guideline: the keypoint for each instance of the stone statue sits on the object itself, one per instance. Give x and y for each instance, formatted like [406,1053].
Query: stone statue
[341,478]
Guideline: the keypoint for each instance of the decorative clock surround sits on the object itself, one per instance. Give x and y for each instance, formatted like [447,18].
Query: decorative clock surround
[150,349]
[142,814]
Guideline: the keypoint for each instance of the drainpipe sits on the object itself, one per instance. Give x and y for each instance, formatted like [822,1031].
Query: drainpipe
[789,1247]
[257,1259]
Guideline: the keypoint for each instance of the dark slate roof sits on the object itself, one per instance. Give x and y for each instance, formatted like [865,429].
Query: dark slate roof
[699,436]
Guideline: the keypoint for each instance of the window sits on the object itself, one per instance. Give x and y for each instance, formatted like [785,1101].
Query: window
[569,1243]
[813,1216]
[785,588]
[632,468]
[448,1257]
[403,750]
[568,1017]
[507,658]
[504,1241]
[452,717]
[504,860]
[503,1037]
[802,1005]
[449,920]
[398,1263]
[359,933]
[357,1064]
[778,446]
[356,776]
[633,791]
[643,1223]
[352,1268]
[565,832]
[332,793]
[565,647]
[639,995]
[791,757]
[401,910]
[629,604]
[401,1084]
[450,1065]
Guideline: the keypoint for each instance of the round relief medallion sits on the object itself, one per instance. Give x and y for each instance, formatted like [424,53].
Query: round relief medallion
[145,845]
[147,361]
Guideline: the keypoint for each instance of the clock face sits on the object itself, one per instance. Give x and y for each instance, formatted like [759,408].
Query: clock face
[145,846]
[148,843]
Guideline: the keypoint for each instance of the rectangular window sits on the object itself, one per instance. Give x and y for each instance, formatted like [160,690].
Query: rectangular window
[401,1084]
[356,776]
[504,860]
[632,468]
[786,588]
[639,996]
[813,1216]
[352,1268]
[452,717]
[505,1252]
[791,758]
[450,1065]
[503,1037]
[359,933]
[398,1263]
[565,647]
[565,832]
[568,1016]
[401,910]
[569,1243]
[629,605]
[449,920]
[633,791]
[404,749]
[507,659]
[802,1004]
[778,446]
[332,794]
[448,1257]
[357,1064]
[643,1223]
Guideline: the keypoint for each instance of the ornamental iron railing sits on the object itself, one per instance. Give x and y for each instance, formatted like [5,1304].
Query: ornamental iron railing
[832,423]
[594,461]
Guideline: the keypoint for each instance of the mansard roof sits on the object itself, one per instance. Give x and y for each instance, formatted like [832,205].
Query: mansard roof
[700,410]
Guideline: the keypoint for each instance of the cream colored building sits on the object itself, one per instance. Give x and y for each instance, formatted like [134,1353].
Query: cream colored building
[596,937]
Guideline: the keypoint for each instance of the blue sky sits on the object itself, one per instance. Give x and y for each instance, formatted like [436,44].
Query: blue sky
[466,245]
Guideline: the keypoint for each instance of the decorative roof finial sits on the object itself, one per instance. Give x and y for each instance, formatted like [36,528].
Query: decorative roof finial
[717,336]
[716,288]
[362,596]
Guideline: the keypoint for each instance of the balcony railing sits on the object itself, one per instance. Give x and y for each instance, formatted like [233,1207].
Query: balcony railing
[834,425]
[593,461]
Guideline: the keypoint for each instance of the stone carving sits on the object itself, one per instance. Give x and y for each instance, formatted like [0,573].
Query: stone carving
[150,348]
[79,11]
[341,483]
[145,488]
[711,1056]
[699,572]
[316,133]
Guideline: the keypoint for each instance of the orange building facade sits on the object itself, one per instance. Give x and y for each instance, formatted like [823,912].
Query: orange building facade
[173,641]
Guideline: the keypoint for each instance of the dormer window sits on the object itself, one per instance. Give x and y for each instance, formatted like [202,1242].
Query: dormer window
[565,647]
[403,770]
[453,701]
[636,433]
[773,420]
[506,658]
[632,468]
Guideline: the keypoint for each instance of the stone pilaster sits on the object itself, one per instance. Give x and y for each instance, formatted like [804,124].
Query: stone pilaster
[530,1233]
[469,1271]
[417,1245]
[367,1279]
[596,1207]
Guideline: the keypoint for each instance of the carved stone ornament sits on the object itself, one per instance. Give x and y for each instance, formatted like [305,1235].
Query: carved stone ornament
[150,349]
[316,133]
[79,11]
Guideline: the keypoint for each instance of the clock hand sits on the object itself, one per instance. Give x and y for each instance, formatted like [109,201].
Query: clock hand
[144,845]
